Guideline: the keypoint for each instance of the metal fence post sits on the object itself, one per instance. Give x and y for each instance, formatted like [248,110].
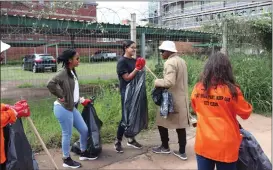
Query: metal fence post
[133,28]
[143,45]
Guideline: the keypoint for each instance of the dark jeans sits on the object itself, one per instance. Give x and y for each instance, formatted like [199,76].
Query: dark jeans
[208,164]
[3,166]
[182,138]
[121,128]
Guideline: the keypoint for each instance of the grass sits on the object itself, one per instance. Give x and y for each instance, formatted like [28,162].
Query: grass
[84,69]
[108,108]
[25,85]
[254,75]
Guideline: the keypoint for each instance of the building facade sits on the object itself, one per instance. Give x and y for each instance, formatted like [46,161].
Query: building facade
[192,14]
[43,9]
[153,13]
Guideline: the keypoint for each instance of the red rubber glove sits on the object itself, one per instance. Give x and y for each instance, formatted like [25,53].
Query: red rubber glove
[84,102]
[21,102]
[140,63]
[21,108]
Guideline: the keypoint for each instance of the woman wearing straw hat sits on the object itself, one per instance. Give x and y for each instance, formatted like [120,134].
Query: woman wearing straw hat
[176,81]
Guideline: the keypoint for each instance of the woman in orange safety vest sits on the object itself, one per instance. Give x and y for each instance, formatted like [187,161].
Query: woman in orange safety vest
[8,115]
[216,99]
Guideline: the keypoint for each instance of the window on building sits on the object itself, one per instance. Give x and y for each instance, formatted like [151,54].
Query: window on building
[166,9]
[41,2]
[211,17]
[182,6]
[202,4]
[253,11]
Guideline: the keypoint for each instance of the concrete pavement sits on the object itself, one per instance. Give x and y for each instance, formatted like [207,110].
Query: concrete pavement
[258,125]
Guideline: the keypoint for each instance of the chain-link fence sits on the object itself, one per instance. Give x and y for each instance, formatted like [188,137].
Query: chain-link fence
[39,33]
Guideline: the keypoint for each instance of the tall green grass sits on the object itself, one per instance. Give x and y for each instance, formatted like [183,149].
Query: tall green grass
[254,75]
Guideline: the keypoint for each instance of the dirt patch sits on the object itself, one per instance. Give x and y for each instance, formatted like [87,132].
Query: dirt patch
[9,90]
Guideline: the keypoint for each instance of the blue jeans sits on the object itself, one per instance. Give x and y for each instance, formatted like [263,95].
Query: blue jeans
[208,164]
[67,120]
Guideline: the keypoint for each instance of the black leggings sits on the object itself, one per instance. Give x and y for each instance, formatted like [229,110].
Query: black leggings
[182,138]
[121,129]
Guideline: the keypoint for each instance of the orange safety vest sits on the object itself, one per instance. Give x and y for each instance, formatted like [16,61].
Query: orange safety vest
[217,133]
[7,116]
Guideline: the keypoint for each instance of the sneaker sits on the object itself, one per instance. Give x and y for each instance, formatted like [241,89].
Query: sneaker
[69,163]
[182,156]
[118,147]
[86,156]
[134,144]
[161,149]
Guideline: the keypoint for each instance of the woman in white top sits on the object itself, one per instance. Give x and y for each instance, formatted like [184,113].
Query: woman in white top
[64,85]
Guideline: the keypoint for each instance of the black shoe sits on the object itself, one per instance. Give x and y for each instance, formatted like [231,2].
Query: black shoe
[86,156]
[69,163]
[118,147]
[134,144]
[161,149]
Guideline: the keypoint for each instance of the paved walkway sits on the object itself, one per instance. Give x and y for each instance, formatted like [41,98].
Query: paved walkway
[259,126]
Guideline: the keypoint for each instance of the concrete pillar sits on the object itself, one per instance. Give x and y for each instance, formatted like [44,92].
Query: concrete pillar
[133,27]
[89,54]
[224,38]
[5,55]
[57,51]
[143,45]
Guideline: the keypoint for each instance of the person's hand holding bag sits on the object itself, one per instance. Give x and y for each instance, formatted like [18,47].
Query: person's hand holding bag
[140,63]
[84,101]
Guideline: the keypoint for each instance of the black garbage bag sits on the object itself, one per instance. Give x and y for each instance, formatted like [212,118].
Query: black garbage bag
[164,99]
[18,150]
[251,155]
[94,124]
[135,106]
[157,95]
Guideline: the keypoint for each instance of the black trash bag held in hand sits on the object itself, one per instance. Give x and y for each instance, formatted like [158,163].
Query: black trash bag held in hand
[251,155]
[94,124]
[18,150]
[135,106]
[157,95]
[164,99]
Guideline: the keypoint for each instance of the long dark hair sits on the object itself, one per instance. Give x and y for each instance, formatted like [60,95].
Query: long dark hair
[64,59]
[126,44]
[217,71]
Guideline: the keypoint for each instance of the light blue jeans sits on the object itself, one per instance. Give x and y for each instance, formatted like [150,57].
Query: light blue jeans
[67,120]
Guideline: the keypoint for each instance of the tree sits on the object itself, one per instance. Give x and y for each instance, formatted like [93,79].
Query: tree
[244,32]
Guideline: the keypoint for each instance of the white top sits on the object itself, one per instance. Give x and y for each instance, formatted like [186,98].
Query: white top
[76,90]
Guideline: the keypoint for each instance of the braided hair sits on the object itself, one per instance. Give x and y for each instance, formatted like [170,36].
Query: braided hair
[64,59]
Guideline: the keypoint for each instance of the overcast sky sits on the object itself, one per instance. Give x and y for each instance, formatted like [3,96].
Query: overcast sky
[115,12]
